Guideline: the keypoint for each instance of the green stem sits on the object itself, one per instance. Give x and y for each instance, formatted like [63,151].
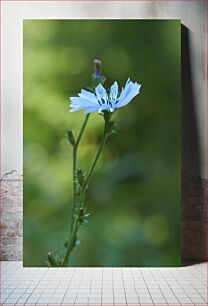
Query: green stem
[75,169]
[104,138]
[76,224]
[71,245]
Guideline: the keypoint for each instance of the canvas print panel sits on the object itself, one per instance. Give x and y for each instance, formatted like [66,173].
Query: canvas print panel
[129,212]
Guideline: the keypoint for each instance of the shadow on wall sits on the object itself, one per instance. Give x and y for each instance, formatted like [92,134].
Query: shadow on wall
[193,242]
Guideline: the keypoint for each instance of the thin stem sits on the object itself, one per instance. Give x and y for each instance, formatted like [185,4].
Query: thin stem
[104,138]
[76,224]
[71,245]
[75,169]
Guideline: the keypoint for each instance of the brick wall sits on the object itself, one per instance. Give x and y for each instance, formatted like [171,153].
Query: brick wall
[11,219]
[194,220]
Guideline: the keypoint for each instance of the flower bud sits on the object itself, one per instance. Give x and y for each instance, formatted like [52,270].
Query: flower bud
[80,177]
[52,259]
[81,211]
[70,137]
[97,76]
[66,243]
[97,66]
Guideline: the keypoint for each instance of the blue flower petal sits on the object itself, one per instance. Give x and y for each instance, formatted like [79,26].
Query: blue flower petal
[88,95]
[113,96]
[91,110]
[128,93]
[84,101]
[102,96]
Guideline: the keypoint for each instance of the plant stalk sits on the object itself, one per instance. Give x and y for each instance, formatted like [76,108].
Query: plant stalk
[76,224]
[75,169]
[71,245]
[104,138]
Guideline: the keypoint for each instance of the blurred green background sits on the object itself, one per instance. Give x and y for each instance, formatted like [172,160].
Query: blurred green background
[134,196]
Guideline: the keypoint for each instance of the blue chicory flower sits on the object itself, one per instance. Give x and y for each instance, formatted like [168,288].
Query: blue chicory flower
[100,100]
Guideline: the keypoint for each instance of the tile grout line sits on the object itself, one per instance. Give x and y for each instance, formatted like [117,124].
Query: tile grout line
[169,288]
[135,286]
[147,287]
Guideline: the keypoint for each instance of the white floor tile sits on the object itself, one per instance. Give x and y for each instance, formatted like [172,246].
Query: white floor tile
[132,300]
[112,286]
[94,301]
[81,301]
[32,300]
[107,300]
[69,300]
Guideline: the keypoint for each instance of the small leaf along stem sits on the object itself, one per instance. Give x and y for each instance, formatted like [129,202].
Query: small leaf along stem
[75,183]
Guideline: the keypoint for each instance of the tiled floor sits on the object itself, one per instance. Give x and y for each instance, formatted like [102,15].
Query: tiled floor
[103,286]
